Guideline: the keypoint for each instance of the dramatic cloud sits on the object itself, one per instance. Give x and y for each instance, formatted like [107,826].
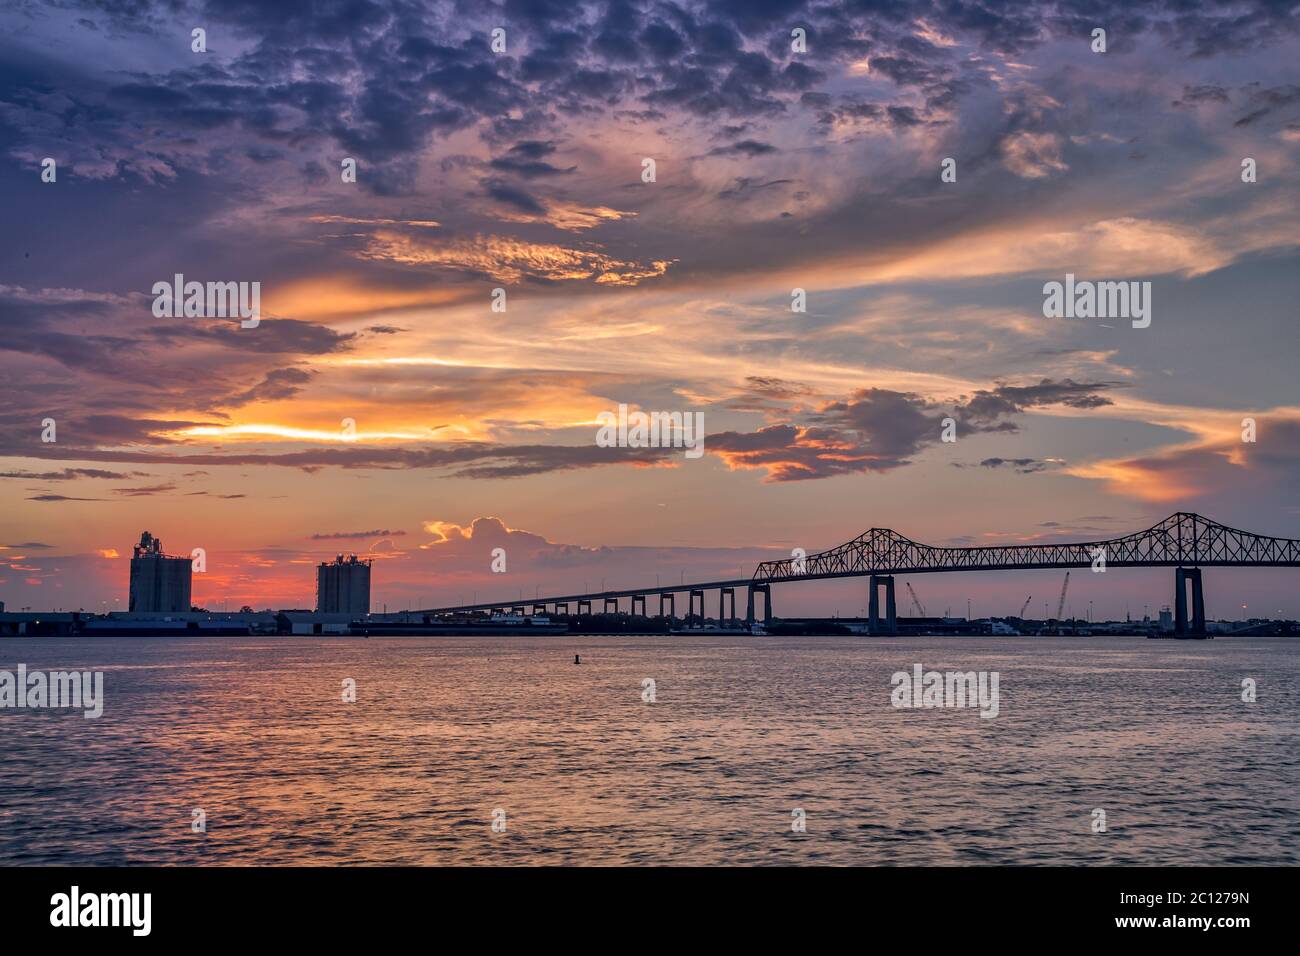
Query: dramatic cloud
[1024,466]
[797,269]
[880,430]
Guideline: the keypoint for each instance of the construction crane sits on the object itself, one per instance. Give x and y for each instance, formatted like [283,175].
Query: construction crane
[1025,607]
[1060,605]
[916,601]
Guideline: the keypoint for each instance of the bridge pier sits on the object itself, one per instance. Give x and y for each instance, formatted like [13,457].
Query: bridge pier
[766,591]
[608,602]
[723,594]
[672,604]
[641,598]
[536,606]
[584,607]
[562,604]
[1181,577]
[690,612]
[873,606]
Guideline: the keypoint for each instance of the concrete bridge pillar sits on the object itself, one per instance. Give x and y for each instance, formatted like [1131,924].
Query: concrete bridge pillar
[672,604]
[1197,623]
[691,598]
[723,595]
[584,607]
[539,608]
[561,604]
[608,602]
[635,599]
[766,591]
[873,606]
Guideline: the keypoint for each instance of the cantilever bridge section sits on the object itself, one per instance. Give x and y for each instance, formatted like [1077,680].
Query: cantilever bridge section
[1184,538]
[1184,541]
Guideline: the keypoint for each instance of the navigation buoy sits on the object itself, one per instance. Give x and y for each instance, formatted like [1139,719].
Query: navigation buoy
[577,659]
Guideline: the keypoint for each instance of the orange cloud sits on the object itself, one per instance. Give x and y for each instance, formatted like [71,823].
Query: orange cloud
[1219,461]
[510,260]
[325,298]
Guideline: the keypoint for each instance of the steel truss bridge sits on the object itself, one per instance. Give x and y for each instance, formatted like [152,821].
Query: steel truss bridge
[1185,541]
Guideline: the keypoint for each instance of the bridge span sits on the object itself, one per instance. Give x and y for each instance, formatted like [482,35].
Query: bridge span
[1184,541]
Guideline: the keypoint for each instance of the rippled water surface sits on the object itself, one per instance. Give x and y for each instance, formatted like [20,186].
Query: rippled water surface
[445,730]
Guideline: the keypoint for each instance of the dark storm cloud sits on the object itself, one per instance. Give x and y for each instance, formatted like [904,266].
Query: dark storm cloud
[661,41]
[528,159]
[270,335]
[140,367]
[1212,29]
[19,311]
[379,81]
[518,461]
[64,325]
[89,353]
[1024,466]
[745,147]
[744,187]
[879,429]
[279,384]
[1266,100]
[87,433]
[513,196]
[553,56]
[986,406]
[893,424]
[472,460]
[764,393]
[38,325]
[1202,93]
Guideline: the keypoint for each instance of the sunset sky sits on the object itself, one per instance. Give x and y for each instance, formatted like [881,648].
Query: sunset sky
[522,170]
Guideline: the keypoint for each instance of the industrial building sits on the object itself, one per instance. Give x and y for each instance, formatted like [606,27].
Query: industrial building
[343,586]
[314,622]
[159,582]
[40,623]
[164,624]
